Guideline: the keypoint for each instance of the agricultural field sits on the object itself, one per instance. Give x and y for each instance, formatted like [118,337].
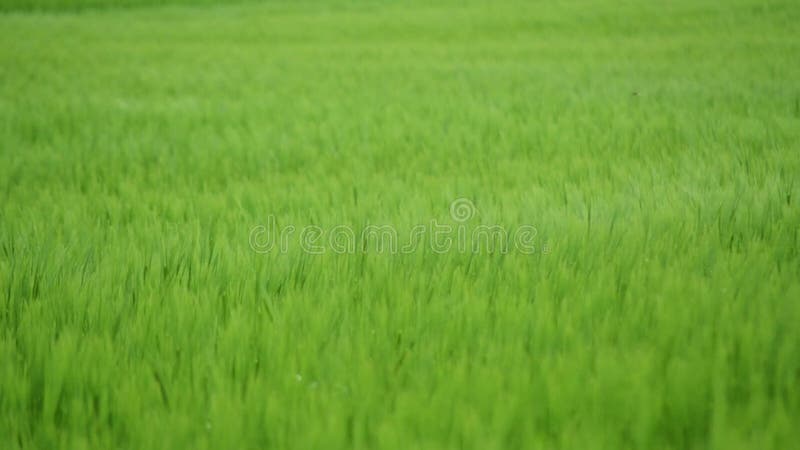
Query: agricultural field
[470,224]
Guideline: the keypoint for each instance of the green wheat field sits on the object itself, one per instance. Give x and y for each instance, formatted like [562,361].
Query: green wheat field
[147,148]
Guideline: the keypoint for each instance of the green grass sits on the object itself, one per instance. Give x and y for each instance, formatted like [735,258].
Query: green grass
[656,149]
[81,5]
